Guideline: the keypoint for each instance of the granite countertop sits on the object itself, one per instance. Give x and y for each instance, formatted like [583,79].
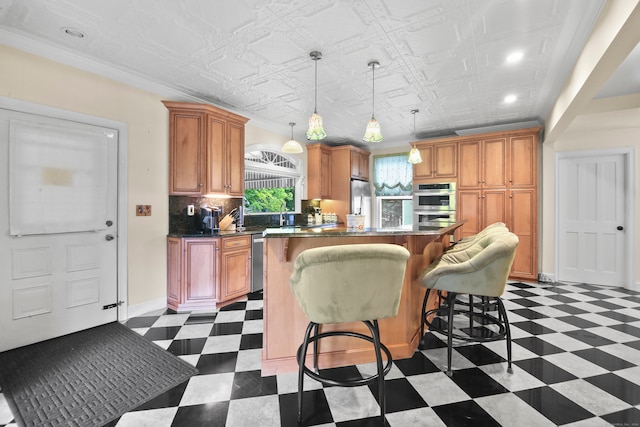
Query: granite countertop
[343,231]
[253,230]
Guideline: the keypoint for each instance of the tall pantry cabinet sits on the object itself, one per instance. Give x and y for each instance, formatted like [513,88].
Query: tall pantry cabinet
[497,182]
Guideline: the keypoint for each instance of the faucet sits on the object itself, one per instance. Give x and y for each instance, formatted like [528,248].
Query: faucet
[283,208]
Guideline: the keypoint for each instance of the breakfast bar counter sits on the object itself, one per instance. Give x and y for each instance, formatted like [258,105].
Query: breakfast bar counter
[285,323]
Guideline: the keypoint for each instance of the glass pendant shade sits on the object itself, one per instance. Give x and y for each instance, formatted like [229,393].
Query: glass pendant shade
[372,133]
[315,131]
[292,146]
[414,156]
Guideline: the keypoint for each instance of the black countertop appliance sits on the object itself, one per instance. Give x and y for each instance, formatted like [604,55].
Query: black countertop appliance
[208,220]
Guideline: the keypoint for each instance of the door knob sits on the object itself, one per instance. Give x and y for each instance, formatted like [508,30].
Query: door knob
[109,223]
[620,228]
[109,237]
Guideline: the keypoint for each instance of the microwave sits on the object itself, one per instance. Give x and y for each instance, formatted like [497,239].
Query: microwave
[434,197]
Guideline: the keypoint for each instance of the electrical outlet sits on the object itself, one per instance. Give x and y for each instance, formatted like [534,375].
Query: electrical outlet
[143,210]
[191,210]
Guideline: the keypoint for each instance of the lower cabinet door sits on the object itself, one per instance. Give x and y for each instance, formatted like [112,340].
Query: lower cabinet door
[201,270]
[235,274]
[523,223]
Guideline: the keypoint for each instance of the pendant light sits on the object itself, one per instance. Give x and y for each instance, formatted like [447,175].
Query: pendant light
[315,131]
[292,146]
[414,154]
[372,134]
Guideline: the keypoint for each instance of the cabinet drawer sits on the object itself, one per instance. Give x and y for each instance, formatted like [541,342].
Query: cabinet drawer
[236,242]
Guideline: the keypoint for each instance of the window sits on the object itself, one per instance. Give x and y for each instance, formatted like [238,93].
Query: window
[392,179]
[271,180]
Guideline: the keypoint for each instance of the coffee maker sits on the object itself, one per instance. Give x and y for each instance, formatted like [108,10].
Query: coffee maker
[209,220]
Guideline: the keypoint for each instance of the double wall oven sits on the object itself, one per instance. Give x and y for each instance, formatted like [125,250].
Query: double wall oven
[434,204]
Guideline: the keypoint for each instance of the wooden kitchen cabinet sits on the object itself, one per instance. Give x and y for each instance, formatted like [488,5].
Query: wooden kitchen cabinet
[483,163]
[517,209]
[318,171]
[205,273]
[523,222]
[523,164]
[509,161]
[439,162]
[359,164]
[235,267]
[206,150]
[497,182]
[480,207]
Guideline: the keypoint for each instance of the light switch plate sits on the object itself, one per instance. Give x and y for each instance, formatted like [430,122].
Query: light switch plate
[190,210]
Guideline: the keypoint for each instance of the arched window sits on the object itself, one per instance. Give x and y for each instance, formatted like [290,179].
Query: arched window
[271,179]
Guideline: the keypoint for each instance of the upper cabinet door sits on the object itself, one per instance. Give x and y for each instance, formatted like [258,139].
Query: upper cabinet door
[523,161]
[469,156]
[235,159]
[216,137]
[493,167]
[319,171]
[424,170]
[186,132]
[359,165]
[445,161]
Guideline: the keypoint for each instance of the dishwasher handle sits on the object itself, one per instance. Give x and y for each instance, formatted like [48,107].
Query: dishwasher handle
[259,240]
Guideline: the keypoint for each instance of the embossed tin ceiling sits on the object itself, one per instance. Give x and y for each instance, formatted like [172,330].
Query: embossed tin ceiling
[445,57]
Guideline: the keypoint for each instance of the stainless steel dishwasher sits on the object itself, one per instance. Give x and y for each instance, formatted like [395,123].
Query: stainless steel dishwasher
[257,242]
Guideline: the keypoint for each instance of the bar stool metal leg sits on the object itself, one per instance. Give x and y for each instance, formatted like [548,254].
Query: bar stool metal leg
[302,353]
[452,302]
[503,314]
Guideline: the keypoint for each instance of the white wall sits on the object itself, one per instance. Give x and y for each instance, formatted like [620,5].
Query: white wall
[587,132]
[31,78]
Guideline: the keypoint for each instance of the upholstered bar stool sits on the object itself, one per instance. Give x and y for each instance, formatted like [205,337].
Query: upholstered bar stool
[348,283]
[481,270]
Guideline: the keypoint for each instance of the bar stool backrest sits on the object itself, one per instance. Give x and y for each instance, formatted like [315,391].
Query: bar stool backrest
[348,283]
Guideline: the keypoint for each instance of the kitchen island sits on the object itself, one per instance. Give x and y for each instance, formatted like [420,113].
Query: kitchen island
[285,323]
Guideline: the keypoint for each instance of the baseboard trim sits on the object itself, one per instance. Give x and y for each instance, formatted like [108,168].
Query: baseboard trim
[147,306]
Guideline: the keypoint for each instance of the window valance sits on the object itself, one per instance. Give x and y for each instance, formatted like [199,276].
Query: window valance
[392,175]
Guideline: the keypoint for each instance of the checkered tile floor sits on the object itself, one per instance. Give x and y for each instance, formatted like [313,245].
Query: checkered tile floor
[576,352]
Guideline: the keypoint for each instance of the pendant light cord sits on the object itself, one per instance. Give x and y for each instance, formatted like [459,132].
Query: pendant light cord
[315,102]
[373,89]
[415,136]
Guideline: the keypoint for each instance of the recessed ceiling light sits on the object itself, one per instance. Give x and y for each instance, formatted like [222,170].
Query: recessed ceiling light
[73,32]
[514,57]
[509,99]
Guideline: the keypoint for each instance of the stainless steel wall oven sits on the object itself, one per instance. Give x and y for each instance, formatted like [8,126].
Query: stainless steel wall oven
[434,204]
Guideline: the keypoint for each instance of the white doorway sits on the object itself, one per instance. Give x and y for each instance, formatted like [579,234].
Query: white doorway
[61,226]
[594,217]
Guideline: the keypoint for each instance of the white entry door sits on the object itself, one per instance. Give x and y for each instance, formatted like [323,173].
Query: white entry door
[58,227]
[591,219]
